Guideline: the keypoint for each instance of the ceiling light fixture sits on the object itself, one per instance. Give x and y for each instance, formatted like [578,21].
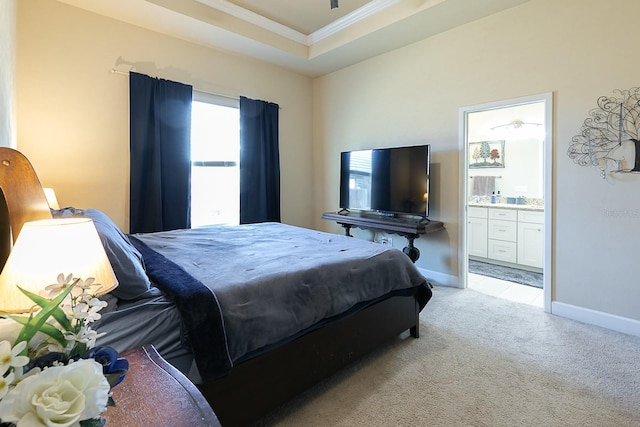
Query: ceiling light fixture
[334,4]
[516,124]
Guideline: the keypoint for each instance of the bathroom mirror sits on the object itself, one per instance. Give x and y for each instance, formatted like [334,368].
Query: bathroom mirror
[506,152]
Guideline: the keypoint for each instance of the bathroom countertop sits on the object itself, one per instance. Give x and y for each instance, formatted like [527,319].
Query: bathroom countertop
[537,208]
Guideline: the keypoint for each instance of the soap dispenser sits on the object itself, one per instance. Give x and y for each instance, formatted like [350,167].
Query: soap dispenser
[493,197]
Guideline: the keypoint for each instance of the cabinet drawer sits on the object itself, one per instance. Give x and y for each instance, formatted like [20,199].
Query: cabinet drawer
[476,212]
[502,251]
[503,230]
[535,217]
[504,214]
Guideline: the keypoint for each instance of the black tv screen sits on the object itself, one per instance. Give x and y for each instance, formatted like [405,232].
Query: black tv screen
[388,180]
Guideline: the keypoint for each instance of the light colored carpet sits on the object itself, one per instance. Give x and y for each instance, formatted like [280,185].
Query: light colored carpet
[481,361]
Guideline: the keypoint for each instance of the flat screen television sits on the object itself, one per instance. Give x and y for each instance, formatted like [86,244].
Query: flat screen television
[391,181]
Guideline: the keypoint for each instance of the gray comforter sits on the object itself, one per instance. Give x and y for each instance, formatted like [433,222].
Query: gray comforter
[274,280]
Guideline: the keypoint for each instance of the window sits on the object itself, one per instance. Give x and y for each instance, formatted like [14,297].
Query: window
[360,179]
[215,161]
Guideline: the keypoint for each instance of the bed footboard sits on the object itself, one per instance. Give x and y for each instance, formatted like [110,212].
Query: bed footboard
[259,385]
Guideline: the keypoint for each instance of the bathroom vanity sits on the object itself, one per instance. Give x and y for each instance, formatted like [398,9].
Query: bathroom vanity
[506,234]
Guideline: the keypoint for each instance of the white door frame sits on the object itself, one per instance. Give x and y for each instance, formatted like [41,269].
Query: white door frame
[547,98]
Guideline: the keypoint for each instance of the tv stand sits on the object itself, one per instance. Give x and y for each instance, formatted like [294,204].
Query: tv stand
[386,214]
[410,228]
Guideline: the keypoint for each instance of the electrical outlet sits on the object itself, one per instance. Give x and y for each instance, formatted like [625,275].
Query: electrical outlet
[382,239]
[385,240]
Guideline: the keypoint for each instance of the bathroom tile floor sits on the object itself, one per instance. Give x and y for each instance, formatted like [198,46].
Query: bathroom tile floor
[507,290]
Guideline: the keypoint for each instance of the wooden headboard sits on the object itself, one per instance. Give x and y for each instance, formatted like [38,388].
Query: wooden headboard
[23,198]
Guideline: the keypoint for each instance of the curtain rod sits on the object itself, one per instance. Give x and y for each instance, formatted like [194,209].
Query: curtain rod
[235,98]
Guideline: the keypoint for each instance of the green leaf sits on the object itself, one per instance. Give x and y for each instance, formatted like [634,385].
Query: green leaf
[33,326]
[54,333]
[93,422]
[46,329]
[61,318]
[112,378]
[57,314]
[78,349]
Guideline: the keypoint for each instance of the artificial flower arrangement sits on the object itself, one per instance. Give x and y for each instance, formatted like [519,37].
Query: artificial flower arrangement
[52,374]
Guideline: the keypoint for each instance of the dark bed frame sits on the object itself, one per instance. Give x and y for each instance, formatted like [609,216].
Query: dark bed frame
[254,387]
[258,385]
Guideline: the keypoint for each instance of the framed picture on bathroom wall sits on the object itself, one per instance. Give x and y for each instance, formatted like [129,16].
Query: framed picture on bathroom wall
[486,154]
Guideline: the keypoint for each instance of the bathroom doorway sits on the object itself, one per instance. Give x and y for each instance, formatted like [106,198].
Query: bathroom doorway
[506,199]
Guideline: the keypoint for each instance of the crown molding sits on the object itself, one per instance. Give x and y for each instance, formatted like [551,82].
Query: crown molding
[256,19]
[338,25]
[346,21]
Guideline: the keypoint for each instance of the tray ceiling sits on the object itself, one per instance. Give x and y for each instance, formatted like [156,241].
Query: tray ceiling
[304,16]
[306,36]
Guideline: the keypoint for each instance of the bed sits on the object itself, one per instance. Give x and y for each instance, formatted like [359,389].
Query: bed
[252,314]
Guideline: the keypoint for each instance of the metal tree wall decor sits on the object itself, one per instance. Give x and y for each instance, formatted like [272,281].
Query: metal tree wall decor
[610,134]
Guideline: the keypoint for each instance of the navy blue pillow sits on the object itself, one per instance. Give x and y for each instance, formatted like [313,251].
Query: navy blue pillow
[126,260]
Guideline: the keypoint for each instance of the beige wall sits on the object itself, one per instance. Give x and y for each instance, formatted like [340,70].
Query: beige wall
[7,73]
[73,116]
[577,49]
[73,120]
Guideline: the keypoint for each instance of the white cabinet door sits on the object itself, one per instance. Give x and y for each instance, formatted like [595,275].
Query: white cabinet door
[531,244]
[477,236]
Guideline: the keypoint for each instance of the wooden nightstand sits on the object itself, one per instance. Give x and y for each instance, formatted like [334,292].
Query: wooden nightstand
[154,393]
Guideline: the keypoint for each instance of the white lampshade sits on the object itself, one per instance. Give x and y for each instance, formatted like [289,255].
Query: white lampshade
[47,248]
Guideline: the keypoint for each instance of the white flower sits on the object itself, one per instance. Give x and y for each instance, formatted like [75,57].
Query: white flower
[86,284]
[97,303]
[77,311]
[9,329]
[10,356]
[85,335]
[92,314]
[5,382]
[62,283]
[85,289]
[59,396]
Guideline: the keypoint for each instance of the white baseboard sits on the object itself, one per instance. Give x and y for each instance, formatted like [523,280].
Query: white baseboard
[440,279]
[598,318]
[580,314]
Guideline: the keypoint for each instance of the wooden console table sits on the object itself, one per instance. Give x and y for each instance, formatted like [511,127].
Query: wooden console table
[410,228]
[154,393]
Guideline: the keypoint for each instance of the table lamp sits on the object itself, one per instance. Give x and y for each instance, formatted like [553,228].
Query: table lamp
[46,248]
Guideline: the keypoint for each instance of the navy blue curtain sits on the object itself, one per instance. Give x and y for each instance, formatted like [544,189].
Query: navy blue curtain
[160,149]
[259,162]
